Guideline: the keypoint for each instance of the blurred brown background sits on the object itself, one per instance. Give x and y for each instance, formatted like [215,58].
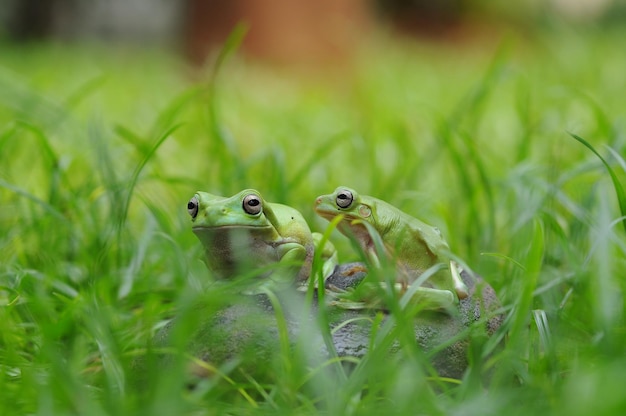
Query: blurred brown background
[286,31]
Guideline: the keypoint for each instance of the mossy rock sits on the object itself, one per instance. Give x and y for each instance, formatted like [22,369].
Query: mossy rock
[245,335]
[432,329]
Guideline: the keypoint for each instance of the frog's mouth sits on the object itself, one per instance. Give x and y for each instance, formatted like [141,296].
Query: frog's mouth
[227,227]
[330,215]
[327,215]
[346,226]
[203,229]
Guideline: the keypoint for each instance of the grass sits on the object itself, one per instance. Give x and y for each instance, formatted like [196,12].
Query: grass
[515,150]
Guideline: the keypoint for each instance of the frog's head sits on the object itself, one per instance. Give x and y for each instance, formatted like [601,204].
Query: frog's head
[243,210]
[345,201]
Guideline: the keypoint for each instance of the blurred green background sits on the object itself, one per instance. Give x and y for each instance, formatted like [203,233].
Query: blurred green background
[112,114]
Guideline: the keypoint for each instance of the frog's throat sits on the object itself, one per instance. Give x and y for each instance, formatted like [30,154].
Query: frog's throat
[329,216]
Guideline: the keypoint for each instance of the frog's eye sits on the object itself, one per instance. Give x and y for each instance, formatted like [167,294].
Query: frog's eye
[192,207]
[344,199]
[252,204]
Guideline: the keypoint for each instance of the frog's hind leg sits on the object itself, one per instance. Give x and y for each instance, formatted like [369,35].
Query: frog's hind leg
[427,298]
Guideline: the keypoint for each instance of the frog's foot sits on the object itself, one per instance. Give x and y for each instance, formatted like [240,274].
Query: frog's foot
[350,299]
[459,286]
[348,304]
[346,276]
[343,279]
[344,289]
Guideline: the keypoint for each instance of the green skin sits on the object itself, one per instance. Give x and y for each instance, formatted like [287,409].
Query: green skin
[414,245]
[244,233]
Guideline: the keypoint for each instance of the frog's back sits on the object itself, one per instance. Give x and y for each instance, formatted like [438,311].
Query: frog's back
[291,222]
[410,238]
[427,232]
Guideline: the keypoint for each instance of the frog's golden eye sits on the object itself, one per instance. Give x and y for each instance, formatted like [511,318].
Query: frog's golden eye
[252,204]
[192,207]
[344,199]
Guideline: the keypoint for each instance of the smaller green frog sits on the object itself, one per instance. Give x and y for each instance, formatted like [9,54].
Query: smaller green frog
[413,245]
[245,233]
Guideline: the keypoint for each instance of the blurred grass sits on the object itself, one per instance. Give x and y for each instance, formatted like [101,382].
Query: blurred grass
[101,149]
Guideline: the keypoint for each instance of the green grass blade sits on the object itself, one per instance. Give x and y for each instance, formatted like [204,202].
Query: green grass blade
[225,144]
[167,116]
[322,151]
[619,158]
[22,192]
[132,138]
[532,268]
[543,328]
[230,46]
[621,196]
[505,257]
[28,103]
[104,161]
[84,91]
[135,176]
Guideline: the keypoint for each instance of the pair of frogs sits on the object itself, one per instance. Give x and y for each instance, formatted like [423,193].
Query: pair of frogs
[245,232]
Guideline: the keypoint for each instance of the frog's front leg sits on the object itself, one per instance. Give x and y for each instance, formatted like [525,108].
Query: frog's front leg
[372,256]
[328,255]
[294,264]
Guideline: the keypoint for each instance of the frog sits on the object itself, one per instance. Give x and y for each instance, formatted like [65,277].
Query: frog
[413,245]
[244,233]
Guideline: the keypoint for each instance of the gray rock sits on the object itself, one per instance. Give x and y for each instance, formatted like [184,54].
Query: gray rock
[246,331]
[431,328]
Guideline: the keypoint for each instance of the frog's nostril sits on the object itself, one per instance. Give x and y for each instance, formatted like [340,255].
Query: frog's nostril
[318,201]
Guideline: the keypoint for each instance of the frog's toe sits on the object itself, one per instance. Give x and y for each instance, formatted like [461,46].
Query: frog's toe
[462,292]
[334,289]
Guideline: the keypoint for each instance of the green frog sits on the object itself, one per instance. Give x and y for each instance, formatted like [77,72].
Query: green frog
[246,234]
[413,245]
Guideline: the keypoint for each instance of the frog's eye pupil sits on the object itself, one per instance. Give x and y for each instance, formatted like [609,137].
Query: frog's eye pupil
[252,204]
[344,199]
[192,207]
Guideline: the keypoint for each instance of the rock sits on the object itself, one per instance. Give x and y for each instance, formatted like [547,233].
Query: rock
[246,332]
[431,328]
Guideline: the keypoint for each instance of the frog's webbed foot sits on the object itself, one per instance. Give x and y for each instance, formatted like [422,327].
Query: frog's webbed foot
[346,276]
[346,288]
[348,304]
[340,287]
[345,298]
[459,286]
